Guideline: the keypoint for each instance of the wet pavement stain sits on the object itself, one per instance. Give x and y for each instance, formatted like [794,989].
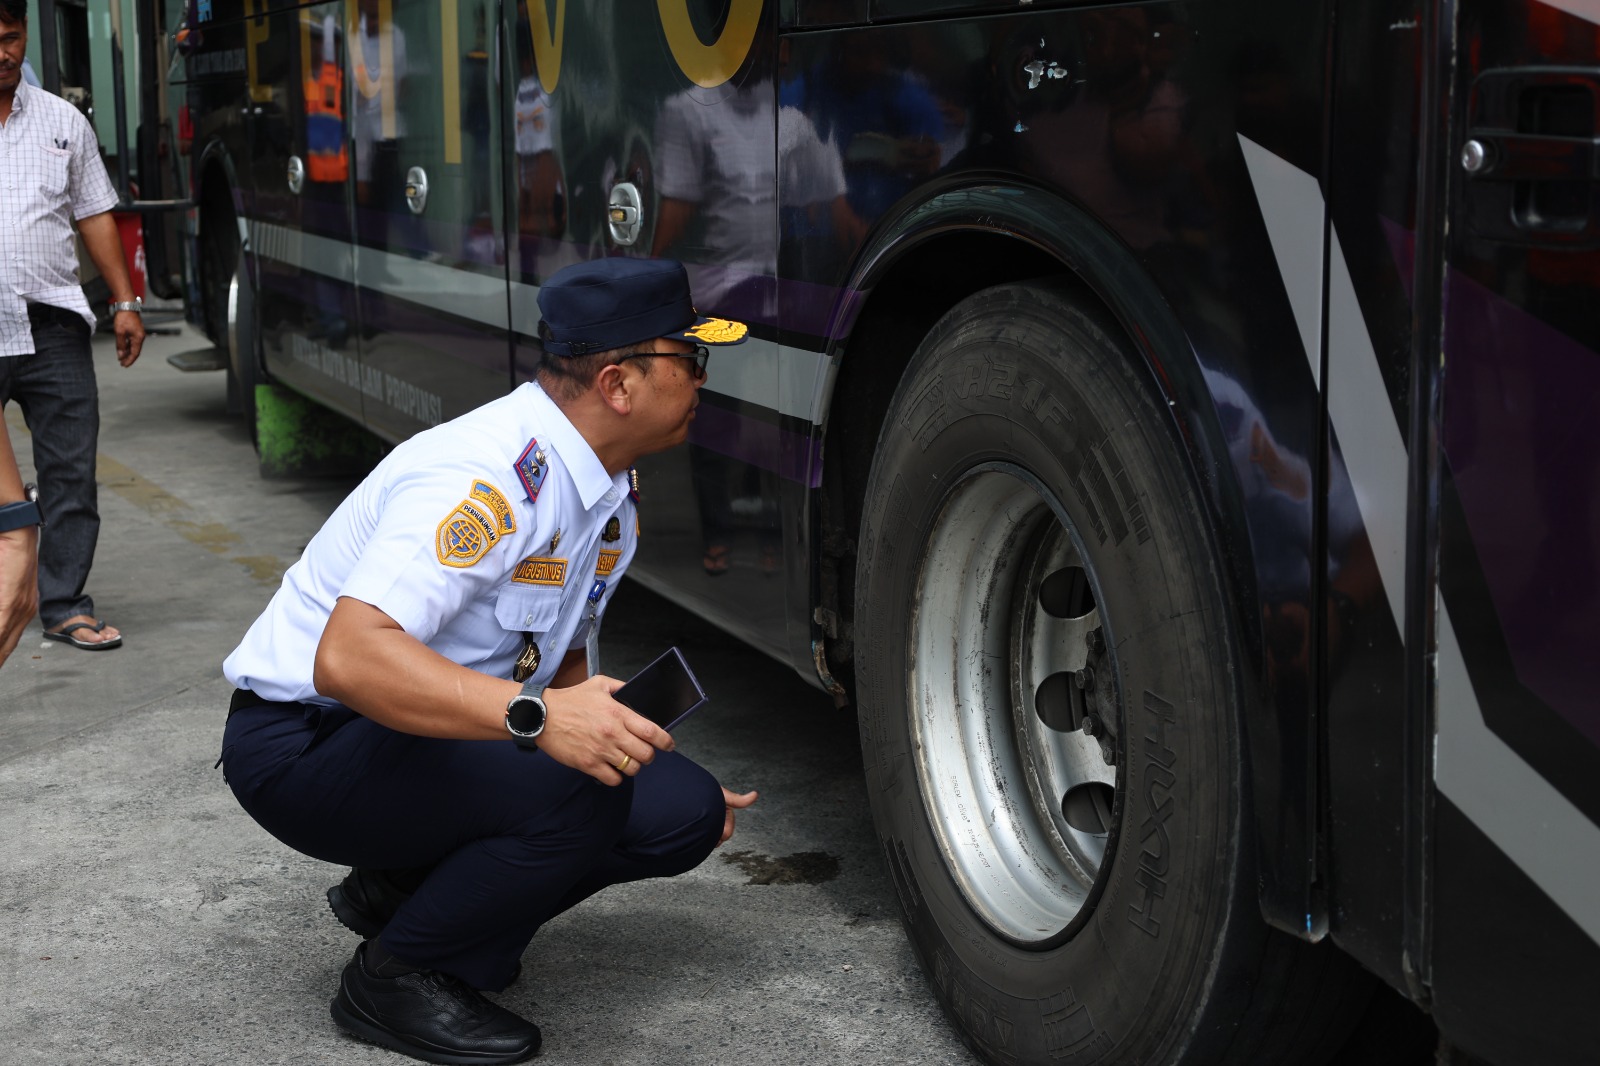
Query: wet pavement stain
[801,868]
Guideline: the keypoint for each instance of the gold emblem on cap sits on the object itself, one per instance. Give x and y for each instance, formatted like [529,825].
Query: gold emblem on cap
[717,331]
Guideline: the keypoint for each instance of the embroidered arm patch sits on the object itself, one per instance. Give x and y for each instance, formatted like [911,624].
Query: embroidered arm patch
[504,520]
[463,537]
[468,532]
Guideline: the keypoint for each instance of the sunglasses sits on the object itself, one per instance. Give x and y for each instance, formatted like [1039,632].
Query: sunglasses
[700,355]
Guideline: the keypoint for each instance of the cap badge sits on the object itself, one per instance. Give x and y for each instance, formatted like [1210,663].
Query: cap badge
[717,331]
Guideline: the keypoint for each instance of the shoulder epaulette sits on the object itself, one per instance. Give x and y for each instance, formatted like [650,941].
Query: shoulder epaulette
[532,466]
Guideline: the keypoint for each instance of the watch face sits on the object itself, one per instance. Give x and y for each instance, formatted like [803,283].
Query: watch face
[525,715]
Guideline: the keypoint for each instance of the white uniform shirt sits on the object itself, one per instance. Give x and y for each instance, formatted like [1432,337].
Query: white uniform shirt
[723,159]
[534,134]
[50,174]
[371,84]
[396,543]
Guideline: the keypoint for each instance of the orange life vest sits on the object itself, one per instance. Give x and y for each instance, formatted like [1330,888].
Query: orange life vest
[327,158]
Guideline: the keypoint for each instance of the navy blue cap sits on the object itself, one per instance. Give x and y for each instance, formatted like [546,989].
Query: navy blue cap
[614,302]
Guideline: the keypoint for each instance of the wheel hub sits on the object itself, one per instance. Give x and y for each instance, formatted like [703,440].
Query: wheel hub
[1014,706]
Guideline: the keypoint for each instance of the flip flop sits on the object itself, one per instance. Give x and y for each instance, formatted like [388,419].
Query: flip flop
[65,636]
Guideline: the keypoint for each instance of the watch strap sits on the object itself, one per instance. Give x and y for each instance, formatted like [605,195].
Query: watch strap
[136,305]
[19,514]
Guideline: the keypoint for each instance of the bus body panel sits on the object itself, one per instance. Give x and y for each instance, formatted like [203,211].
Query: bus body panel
[1517,847]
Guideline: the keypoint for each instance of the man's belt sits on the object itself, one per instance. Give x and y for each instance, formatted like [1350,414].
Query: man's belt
[61,316]
[243,698]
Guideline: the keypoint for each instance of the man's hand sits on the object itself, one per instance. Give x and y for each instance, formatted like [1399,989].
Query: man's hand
[734,802]
[130,336]
[101,241]
[589,731]
[19,584]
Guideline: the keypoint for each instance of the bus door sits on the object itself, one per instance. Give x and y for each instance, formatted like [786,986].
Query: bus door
[668,112]
[296,201]
[1516,957]
[426,175]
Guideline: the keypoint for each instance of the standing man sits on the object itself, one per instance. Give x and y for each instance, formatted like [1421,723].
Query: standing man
[420,700]
[51,174]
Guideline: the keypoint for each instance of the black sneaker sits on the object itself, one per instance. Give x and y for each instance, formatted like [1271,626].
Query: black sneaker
[430,1016]
[366,899]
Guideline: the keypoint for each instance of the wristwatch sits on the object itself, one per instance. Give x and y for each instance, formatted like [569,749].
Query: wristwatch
[136,305]
[22,513]
[525,715]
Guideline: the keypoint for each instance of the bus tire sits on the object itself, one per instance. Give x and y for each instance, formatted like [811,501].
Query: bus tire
[1034,559]
[230,311]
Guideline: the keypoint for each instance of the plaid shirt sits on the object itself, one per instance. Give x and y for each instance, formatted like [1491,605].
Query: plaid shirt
[49,161]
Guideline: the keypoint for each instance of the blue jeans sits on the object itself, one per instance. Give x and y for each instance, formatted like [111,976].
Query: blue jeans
[55,388]
[510,838]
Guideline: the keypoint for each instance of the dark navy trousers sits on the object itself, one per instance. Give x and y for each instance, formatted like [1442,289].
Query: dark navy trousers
[509,838]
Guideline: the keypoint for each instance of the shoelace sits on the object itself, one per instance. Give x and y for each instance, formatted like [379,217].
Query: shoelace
[459,991]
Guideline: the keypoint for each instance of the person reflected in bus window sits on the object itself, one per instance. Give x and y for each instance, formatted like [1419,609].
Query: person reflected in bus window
[378,59]
[1125,121]
[19,551]
[541,206]
[720,178]
[941,72]
[715,173]
[883,121]
[327,160]
[477,112]
[51,174]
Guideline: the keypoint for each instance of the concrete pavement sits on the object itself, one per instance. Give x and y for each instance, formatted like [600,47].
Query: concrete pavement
[145,919]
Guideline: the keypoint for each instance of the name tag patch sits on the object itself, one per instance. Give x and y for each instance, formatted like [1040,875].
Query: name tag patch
[540,570]
[608,561]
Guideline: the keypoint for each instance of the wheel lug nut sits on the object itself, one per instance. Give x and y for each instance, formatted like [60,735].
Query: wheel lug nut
[1090,726]
[1095,641]
[1084,678]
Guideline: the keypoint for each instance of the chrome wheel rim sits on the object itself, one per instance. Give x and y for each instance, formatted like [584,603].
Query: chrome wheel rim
[1013,704]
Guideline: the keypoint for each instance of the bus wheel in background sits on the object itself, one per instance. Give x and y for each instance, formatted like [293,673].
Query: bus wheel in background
[1049,713]
[230,309]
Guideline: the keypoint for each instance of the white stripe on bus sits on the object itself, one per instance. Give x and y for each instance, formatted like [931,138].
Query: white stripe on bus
[780,377]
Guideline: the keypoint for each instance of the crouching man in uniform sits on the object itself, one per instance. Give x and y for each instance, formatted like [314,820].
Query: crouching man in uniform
[419,700]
